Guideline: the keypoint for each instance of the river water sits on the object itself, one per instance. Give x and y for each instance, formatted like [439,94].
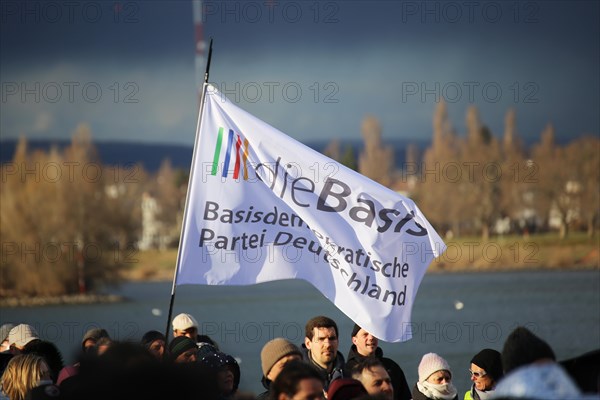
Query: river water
[455,315]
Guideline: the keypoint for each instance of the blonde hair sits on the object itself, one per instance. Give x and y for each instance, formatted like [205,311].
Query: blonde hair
[23,373]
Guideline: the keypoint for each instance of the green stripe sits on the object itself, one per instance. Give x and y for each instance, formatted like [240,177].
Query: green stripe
[215,165]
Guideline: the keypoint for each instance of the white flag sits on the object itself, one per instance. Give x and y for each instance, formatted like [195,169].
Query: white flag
[264,207]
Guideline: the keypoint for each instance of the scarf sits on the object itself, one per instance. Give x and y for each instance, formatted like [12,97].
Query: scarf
[481,395]
[446,391]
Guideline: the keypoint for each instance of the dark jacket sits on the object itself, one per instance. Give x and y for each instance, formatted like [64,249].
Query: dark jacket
[338,371]
[417,395]
[266,384]
[401,388]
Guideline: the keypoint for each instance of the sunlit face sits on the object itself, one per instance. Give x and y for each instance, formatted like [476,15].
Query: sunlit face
[157,348]
[278,366]
[192,333]
[323,346]
[481,379]
[102,348]
[88,344]
[440,377]
[187,356]
[366,344]
[377,381]
[225,380]
[308,389]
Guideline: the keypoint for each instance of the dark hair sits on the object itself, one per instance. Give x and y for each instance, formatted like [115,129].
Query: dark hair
[367,363]
[122,356]
[49,352]
[319,322]
[290,376]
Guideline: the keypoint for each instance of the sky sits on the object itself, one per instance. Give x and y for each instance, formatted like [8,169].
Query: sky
[313,69]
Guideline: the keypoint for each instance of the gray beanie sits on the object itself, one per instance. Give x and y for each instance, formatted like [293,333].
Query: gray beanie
[274,351]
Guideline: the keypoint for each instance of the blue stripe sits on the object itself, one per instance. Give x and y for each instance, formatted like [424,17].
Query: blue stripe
[228,154]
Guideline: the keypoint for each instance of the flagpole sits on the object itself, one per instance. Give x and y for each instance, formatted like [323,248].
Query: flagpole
[187,196]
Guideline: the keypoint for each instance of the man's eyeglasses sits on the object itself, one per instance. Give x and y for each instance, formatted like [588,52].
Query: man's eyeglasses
[478,374]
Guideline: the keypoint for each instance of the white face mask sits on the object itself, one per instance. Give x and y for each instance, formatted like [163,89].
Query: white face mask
[445,391]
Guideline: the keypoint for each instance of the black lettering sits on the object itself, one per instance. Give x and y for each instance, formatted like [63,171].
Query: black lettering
[205,235]
[369,212]
[301,188]
[211,207]
[327,192]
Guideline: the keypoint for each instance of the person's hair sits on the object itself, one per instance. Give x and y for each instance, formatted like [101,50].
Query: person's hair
[49,352]
[367,363]
[22,373]
[319,322]
[290,376]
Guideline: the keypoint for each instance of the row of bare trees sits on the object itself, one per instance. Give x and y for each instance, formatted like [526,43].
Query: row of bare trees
[70,223]
[480,184]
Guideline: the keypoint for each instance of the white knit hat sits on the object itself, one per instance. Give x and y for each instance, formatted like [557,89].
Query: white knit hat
[184,321]
[431,363]
[22,334]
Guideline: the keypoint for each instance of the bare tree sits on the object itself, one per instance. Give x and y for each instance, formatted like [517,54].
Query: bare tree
[584,156]
[375,161]
[58,224]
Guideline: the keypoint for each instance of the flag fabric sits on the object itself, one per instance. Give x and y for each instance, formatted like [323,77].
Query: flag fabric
[264,207]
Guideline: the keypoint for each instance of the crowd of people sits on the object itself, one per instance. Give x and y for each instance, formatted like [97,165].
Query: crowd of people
[191,366]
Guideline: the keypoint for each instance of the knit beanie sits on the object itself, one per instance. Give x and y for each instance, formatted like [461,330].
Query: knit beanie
[274,351]
[490,361]
[150,337]
[355,329]
[522,347]
[345,388]
[180,345]
[95,334]
[431,363]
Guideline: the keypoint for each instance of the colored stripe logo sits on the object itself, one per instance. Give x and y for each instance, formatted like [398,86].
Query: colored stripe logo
[234,144]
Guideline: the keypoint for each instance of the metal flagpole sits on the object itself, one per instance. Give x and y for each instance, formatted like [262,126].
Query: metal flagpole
[187,196]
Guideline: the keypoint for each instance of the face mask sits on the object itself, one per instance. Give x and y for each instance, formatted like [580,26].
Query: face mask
[44,382]
[445,388]
[444,391]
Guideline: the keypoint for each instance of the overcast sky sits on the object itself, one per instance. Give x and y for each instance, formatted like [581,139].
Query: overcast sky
[313,69]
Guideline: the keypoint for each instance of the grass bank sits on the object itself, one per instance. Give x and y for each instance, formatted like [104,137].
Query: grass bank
[546,251]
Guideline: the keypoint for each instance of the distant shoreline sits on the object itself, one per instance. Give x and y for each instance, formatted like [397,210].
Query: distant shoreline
[465,255]
[79,299]
[510,253]
[66,299]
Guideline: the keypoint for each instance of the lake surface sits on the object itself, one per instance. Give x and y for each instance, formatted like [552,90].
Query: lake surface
[562,307]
